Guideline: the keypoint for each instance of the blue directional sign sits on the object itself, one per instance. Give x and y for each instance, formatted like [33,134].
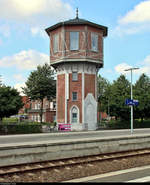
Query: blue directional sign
[132,102]
[135,102]
[128,102]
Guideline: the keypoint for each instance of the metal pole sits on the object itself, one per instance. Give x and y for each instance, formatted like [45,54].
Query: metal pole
[131,69]
[131,106]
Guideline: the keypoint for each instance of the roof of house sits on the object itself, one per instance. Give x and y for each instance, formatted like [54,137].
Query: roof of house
[78,21]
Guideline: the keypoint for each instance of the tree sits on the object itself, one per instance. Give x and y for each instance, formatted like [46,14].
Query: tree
[40,85]
[119,91]
[10,101]
[103,87]
[141,92]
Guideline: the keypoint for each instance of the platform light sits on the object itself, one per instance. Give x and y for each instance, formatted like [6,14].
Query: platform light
[131,69]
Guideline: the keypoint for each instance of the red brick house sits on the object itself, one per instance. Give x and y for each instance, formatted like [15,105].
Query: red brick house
[49,111]
[32,109]
[26,106]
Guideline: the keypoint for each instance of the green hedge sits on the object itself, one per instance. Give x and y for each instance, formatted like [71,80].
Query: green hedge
[22,127]
[127,124]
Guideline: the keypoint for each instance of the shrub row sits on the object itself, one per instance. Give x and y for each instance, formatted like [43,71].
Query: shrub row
[127,124]
[22,128]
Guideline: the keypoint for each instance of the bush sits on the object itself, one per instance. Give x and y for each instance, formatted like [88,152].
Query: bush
[10,126]
[10,120]
[20,128]
[113,124]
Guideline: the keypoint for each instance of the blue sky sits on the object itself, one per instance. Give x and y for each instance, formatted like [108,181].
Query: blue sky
[24,43]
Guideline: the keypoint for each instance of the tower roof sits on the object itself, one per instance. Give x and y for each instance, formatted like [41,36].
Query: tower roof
[77,21]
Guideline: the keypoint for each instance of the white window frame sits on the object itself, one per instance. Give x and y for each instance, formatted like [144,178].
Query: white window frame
[55,43]
[74,110]
[74,40]
[94,42]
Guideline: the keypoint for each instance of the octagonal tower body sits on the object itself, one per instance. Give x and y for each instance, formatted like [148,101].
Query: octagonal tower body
[76,52]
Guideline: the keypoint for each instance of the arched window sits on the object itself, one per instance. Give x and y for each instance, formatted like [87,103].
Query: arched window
[74,115]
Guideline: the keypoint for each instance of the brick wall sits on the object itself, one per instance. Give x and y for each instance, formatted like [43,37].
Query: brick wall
[89,84]
[61,98]
[49,116]
[75,86]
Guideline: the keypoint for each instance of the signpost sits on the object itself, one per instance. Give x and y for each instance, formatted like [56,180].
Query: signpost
[132,102]
[131,69]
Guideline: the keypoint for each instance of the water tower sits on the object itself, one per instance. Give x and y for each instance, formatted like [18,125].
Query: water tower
[76,53]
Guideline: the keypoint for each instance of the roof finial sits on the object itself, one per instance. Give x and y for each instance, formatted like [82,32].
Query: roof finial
[77,13]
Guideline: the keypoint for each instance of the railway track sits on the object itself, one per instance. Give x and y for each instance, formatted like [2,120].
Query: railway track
[18,170]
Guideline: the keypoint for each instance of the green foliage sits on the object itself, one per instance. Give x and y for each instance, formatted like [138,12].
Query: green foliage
[103,87]
[20,128]
[112,97]
[40,85]
[120,90]
[9,120]
[25,127]
[122,124]
[115,94]
[142,93]
[10,101]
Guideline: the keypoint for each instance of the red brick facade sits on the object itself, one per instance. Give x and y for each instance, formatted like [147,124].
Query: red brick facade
[89,84]
[26,106]
[61,98]
[75,86]
[49,111]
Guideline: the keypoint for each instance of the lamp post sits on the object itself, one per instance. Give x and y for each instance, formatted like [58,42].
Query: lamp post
[131,69]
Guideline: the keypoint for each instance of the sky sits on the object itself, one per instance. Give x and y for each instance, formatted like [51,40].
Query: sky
[24,44]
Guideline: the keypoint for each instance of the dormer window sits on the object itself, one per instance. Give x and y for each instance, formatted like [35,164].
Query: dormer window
[74,40]
[94,42]
[55,43]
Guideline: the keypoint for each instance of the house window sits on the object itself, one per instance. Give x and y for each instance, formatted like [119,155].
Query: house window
[55,43]
[74,76]
[54,105]
[74,115]
[74,96]
[94,42]
[74,40]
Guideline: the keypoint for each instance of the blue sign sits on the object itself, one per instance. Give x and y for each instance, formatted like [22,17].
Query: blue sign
[131,102]
[135,102]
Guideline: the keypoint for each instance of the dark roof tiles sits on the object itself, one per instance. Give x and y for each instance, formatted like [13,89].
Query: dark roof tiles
[77,21]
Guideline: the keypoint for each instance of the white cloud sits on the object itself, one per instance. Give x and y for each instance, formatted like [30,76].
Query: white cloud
[139,14]
[25,60]
[37,31]
[135,21]
[120,68]
[19,86]
[130,29]
[144,67]
[35,12]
